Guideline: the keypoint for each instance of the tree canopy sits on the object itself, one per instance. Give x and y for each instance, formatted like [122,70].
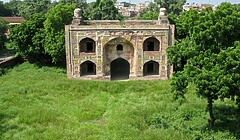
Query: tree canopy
[56,18]
[28,37]
[102,10]
[207,54]
[42,37]
[175,6]
[150,13]
[3,29]
[79,3]
[27,8]
[4,11]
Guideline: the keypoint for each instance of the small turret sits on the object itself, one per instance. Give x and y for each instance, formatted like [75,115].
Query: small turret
[162,18]
[77,18]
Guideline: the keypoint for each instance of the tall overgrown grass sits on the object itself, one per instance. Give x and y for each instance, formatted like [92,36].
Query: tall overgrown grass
[41,103]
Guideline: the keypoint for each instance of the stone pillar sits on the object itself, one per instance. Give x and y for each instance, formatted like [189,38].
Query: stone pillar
[68,51]
[171,43]
[99,54]
[140,55]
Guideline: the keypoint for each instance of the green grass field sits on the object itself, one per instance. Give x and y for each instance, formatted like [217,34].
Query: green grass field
[41,103]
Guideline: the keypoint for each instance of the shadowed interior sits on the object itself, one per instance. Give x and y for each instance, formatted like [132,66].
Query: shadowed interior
[151,68]
[120,69]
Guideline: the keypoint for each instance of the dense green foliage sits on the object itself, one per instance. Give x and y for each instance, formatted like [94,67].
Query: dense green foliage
[4,11]
[42,37]
[207,53]
[172,6]
[3,26]
[29,7]
[150,13]
[3,29]
[102,10]
[41,103]
[13,5]
[28,37]
[25,8]
[127,4]
[56,18]
[79,3]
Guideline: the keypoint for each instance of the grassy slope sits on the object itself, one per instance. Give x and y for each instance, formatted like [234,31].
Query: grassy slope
[41,103]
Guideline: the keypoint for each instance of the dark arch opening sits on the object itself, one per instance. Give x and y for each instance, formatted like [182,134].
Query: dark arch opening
[87,68]
[87,45]
[120,69]
[151,44]
[119,47]
[151,68]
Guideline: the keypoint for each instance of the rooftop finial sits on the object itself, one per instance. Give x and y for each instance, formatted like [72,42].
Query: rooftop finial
[78,12]
[77,18]
[162,18]
[162,12]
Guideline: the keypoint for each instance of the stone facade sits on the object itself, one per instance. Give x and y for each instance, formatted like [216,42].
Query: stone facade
[111,50]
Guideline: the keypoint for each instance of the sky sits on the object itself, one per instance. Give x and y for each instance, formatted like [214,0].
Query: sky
[214,2]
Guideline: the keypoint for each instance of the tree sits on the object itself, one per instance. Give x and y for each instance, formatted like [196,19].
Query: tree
[3,29]
[4,11]
[175,6]
[30,7]
[13,6]
[27,8]
[150,13]
[126,4]
[80,3]
[42,37]
[57,17]
[28,37]
[184,45]
[211,54]
[102,10]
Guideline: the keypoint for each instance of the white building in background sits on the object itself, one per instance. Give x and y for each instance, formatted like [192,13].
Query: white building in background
[131,11]
[198,7]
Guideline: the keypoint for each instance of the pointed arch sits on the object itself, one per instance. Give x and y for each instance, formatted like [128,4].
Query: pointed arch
[88,68]
[151,44]
[87,45]
[151,68]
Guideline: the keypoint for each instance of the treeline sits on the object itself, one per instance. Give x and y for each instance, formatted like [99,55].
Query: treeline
[101,9]
[41,36]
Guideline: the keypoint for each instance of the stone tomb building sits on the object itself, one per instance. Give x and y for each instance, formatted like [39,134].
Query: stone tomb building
[112,50]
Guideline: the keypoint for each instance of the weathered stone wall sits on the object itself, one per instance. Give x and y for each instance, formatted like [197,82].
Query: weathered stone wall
[134,36]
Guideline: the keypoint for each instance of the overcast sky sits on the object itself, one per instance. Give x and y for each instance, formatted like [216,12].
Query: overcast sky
[215,2]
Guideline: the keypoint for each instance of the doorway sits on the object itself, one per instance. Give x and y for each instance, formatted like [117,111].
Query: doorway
[120,69]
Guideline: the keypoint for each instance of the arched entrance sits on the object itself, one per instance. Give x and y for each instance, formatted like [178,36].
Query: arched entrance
[151,68]
[118,47]
[87,45]
[120,69]
[87,68]
[151,44]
